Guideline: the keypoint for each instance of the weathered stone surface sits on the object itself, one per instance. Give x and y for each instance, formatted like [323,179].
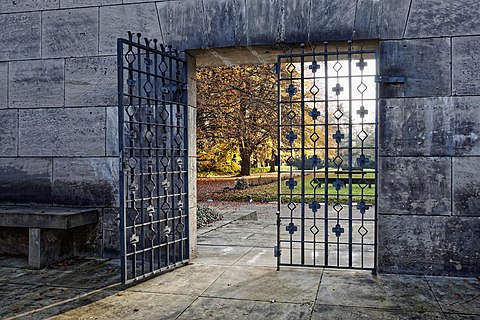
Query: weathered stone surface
[8,132]
[332,20]
[430,126]
[443,18]
[27,5]
[115,21]
[22,41]
[178,20]
[415,185]
[264,21]
[91,81]
[62,132]
[111,232]
[424,62]
[3,85]
[70,33]
[220,23]
[192,129]
[328,312]
[111,143]
[382,19]
[86,3]
[465,65]
[36,83]
[428,245]
[85,181]
[25,180]
[466,186]
[297,21]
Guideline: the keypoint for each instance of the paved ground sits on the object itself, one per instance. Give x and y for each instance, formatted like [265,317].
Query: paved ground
[233,277]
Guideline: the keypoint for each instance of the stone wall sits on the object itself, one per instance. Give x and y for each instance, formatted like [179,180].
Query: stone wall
[58,92]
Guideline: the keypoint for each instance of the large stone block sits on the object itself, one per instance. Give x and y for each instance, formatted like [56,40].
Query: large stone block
[436,18]
[415,185]
[21,36]
[25,180]
[85,181]
[183,24]
[87,3]
[332,20]
[8,132]
[382,19]
[115,21]
[466,186]
[192,132]
[264,21]
[465,66]
[111,232]
[37,83]
[62,132]
[296,23]
[111,143]
[429,245]
[424,62]
[27,5]
[220,23]
[430,126]
[70,33]
[3,85]
[91,81]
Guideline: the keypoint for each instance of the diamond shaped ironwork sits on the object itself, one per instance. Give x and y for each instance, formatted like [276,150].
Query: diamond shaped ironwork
[149,136]
[147,87]
[291,115]
[150,185]
[362,88]
[314,89]
[164,161]
[290,67]
[315,182]
[163,67]
[338,114]
[130,57]
[165,207]
[132,162]
[338,207]
[180,228]
[151,234]
[337,161]
[362,135]
[337,66]
[362,231]
[290,161]
[291,206]
[363,183]
[178,139]
[314,137]
[314,230]
[164,114]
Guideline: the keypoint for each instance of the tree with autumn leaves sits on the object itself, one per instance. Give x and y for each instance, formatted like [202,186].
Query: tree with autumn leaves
[237,113]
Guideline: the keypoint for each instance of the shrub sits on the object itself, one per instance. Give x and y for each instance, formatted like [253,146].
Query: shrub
[207,215]
[240,184]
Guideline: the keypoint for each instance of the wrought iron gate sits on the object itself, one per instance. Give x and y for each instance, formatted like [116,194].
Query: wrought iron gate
[327,129]
[152,106]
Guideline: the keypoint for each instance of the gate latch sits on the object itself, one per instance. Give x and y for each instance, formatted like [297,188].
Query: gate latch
[277,252]
[390,79]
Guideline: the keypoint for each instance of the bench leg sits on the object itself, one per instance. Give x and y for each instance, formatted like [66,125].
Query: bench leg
[35,248]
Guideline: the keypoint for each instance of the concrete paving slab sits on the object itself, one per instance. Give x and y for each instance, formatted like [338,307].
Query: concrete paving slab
[361,289]
[189,280]
[215,308]
[17,299]
[345,313]
[261,257]
[132,305]
[454,295]
[266,284]
[224,239]
[220,255]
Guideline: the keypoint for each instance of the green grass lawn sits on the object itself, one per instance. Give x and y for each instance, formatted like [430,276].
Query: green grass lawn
[268,192]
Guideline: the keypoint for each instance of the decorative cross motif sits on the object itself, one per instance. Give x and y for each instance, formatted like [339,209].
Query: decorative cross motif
[363,207]
[362,64]
[338,136]
[314,160]
[291,228]
[291,136]
[337,89]
[338,184]
[314,66]
[362,112]
[291,90]
[314,206]
[362,161]
[291,184]
[338,230]
[314,113]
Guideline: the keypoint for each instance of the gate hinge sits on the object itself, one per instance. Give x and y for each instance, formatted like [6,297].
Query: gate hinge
[277,252]
[390,79]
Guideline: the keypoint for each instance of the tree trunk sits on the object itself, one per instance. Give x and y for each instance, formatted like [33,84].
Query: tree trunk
[246,155]
[272,162]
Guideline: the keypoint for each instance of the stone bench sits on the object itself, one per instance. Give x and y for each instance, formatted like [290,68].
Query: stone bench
[52,231]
